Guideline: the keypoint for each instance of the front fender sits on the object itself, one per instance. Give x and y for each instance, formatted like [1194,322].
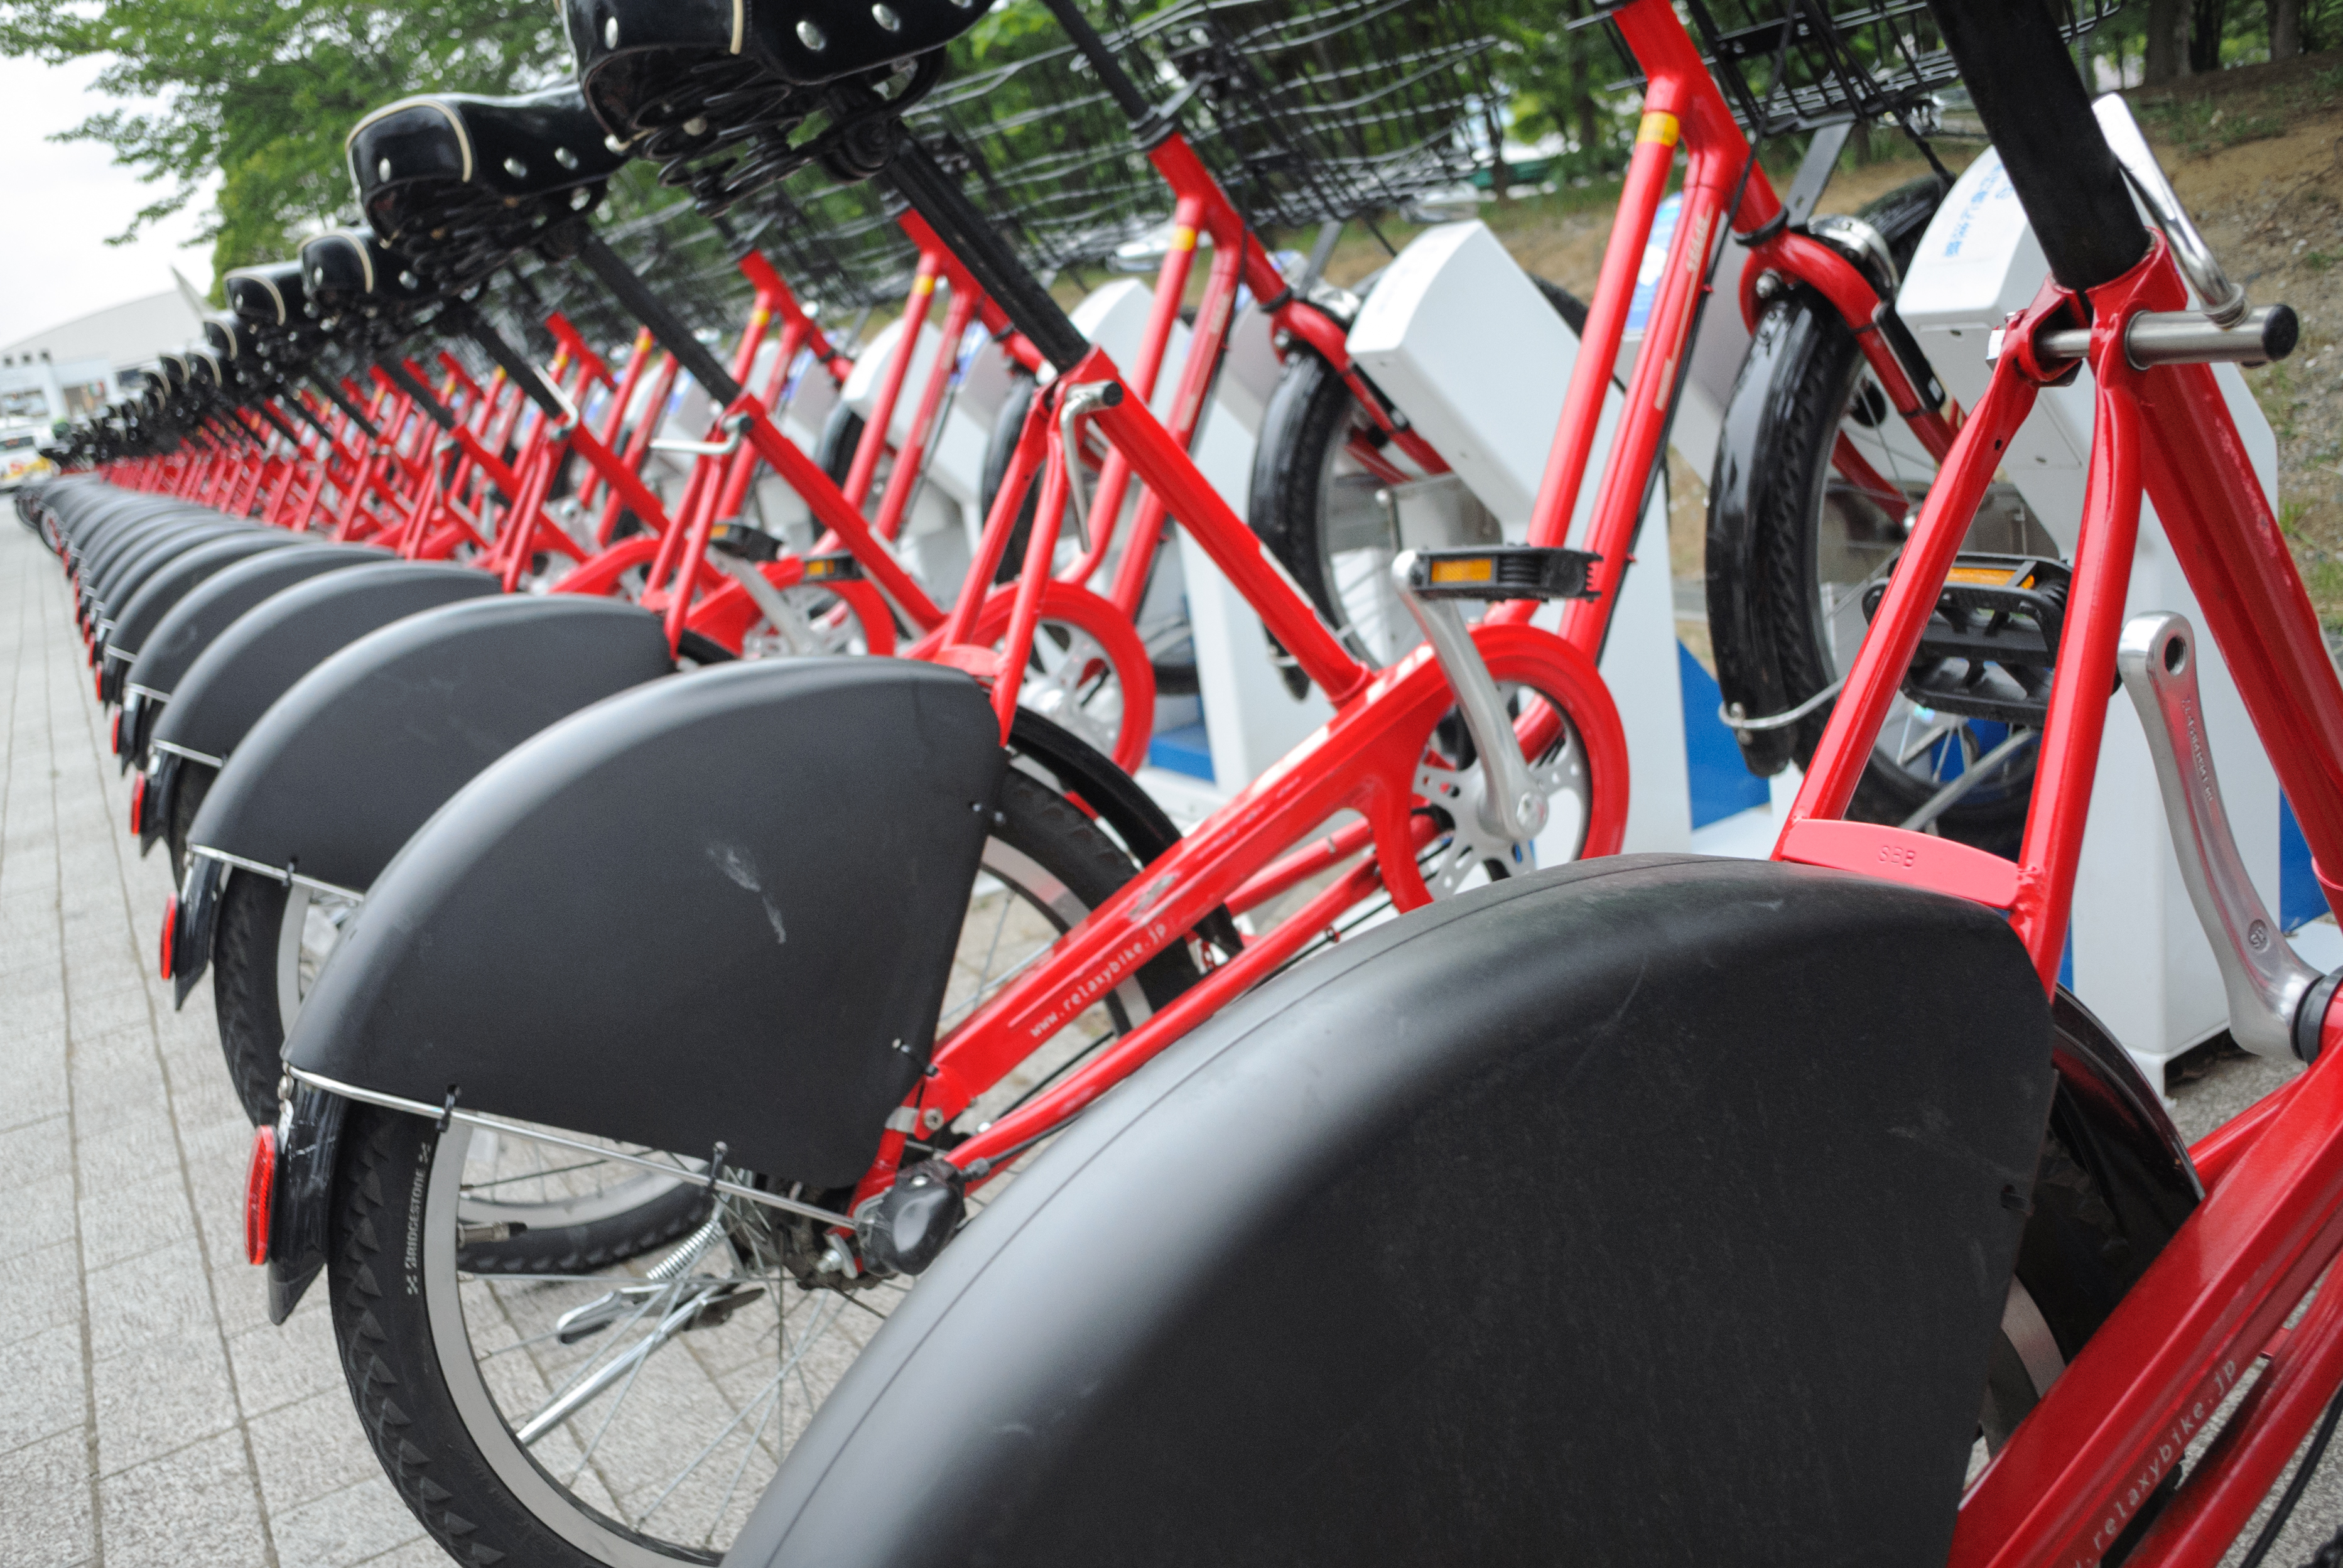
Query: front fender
[1747,672]
[308,1139]
[162,592]
[193,624]
[256,660]
[346,765]
[722,907]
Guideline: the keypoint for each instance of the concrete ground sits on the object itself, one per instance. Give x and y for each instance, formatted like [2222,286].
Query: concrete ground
[149,1414]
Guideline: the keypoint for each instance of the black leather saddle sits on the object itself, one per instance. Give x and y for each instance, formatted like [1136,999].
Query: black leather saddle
[458,185]
[267,296]
[733,80]
[226,338]
[348,270]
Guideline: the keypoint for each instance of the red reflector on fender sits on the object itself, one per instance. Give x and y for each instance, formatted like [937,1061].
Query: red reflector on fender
[170,931]
[116,740]
[259,1191]
[138,804]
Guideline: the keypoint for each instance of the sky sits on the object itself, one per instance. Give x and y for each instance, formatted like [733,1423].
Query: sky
[62,201]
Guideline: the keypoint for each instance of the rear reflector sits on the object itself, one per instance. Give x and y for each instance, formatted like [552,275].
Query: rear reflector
[259,1190]
[116,738]
[138,804]
[170,931]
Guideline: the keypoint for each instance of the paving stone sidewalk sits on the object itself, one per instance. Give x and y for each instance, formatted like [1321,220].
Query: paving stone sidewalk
[149,1414]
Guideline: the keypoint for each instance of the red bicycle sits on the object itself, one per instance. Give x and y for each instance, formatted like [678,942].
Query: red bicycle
[1046,973]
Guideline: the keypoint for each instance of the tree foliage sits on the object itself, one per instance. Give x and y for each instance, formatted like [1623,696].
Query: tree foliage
[262,91]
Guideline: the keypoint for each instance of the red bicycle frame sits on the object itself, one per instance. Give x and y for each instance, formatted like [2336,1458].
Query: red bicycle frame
[2079,1468]
[1364,759]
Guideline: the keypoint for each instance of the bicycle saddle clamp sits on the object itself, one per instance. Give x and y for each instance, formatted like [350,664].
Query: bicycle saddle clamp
[349,269]
[267,296]
[677,83]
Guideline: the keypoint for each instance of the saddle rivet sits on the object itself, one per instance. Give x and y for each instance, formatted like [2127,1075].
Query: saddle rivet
[518,169]
[885,16]
[408,280]
[565,157]
[611,34]
[579,200]
[813,37]
[696,127]
[382,170]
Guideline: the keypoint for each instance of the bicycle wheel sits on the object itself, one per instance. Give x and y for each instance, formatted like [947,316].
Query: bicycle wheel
[647,1437]
[1314,501]
[1806,512]
[272,942]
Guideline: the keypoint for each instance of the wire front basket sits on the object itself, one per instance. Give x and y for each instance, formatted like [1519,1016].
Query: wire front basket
[1796,64]
[1047,153]
[1309,111]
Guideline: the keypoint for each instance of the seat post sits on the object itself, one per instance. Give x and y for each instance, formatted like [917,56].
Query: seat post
[664,325]
[936,197]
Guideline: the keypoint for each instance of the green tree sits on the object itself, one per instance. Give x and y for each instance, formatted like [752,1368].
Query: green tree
[263,92]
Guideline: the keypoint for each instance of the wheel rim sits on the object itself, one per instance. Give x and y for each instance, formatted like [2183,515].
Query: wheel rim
[664,1460]
[1358,539]
[1070,681]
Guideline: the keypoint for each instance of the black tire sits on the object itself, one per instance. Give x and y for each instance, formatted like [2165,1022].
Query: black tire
[1779,525]
[440,1434]
[842,433]
[245,945]
[1296,492]
[194,782]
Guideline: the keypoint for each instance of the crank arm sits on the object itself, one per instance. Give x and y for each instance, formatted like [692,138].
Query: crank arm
[1510,805]
[2266,984]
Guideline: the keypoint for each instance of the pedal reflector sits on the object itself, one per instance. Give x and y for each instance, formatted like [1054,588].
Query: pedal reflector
[1503,572]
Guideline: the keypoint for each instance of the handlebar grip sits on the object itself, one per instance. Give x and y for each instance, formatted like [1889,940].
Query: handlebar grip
[2032,101]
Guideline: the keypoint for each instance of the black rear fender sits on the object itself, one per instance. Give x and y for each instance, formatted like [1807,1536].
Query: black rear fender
[346,765]
[256,659]
[719,908]
[189,627]
[133,570]
[309,1136]
[164,589]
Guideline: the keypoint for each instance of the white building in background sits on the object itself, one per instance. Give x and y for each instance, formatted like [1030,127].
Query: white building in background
[78,366]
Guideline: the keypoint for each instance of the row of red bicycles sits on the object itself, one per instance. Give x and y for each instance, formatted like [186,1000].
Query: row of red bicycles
[684,969]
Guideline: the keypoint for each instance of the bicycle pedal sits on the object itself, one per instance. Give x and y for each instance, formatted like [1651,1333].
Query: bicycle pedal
[737,538]
[1992,641]
[839,567]
[1503,572]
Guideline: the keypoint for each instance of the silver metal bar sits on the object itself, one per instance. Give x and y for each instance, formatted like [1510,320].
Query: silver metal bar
[1082,400]
[276,874]
[1511,805]
[2224,301]
[786,617]
[2190,337]
[206,758]
[579,1394]
[739,426]
[1730,714]
[668,1167]
[1973,775]
[2265,981]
